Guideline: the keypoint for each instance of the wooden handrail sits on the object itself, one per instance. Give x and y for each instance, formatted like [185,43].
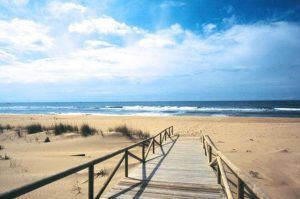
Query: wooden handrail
[243,179]
[90,165]
[224,178]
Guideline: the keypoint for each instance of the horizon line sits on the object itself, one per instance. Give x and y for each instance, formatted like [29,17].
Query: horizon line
[150,101]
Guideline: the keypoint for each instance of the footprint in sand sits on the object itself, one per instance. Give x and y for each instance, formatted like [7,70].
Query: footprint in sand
[255,174]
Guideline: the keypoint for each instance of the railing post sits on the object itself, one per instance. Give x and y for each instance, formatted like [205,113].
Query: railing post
[240,189]
[126,163]
[91,182]
[219,174]
[153,146]
[165,135]
[160,141]
[209,153]
[143,152]
[172,129]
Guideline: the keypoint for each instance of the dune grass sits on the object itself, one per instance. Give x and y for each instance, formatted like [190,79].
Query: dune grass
[86,130]
[5,127]
[34,128]
[63,128]
[130,132]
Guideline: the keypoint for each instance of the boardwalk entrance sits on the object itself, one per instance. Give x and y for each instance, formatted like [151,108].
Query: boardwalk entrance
[178,169]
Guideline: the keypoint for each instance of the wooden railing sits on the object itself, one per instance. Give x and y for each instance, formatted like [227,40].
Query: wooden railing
[147,143]
[243,185]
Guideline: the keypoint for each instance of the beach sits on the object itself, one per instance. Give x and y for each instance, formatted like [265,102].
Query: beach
[268,146]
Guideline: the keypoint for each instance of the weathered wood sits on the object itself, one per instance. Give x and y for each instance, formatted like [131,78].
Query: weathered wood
[91,182]
[149,148]
[210,143]
[219,175]
[236,171]
[209,153]
[126,163]
[165,134]
[158,143]
[205,150]
[176,171]
[224,179]
[134,156]
[153,146]
[160,139]
[143,152]
[110,177]
[213,162]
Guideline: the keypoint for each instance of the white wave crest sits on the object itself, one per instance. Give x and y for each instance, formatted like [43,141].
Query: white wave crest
[287,109]
[185,109]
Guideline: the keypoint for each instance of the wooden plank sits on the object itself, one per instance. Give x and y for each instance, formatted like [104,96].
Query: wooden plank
[177,170]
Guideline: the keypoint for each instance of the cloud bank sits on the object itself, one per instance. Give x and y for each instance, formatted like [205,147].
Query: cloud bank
[151,55]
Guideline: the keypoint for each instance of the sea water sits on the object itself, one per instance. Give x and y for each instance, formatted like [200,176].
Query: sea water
[160,108]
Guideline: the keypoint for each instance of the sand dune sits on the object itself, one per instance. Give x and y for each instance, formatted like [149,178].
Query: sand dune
[268,147]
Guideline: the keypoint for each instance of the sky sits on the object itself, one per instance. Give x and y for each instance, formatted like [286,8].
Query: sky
[141,50]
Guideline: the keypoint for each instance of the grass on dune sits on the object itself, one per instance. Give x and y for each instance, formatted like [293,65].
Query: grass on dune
[86,130]
[130,132]
[63,128]
[34,128]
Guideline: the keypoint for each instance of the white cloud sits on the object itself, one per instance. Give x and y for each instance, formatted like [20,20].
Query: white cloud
[209,28]
[25,35]
[6,57]
[162,38]
[58,8]
[172,51]
[97,44]
[104,25]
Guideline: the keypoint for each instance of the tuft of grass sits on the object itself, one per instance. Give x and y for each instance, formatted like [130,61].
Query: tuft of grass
[8,127]
[124,130]
[101,173]
[63,128]
[142,135]
[131,133]
[77,188]
[86,130]
[34,128]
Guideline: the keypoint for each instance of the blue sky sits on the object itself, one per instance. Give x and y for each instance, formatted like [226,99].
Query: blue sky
[149,50]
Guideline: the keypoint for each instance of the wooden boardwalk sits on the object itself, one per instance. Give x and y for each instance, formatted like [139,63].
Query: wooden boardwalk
[178,169]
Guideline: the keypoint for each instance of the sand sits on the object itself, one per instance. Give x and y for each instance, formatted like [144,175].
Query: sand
[268,146]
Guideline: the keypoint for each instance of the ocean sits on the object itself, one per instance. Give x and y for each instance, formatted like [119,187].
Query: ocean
[160,108]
